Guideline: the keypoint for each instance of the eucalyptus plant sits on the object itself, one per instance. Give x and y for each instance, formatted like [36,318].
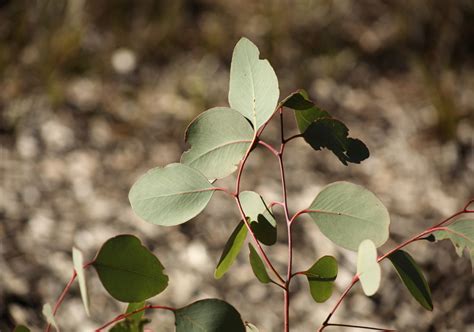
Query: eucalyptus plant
[221,140]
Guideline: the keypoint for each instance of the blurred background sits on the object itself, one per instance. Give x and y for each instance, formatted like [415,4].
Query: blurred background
[94,93]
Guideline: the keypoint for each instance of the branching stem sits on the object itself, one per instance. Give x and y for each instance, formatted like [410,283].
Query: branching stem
[355,279]
[61,297]
[124,316]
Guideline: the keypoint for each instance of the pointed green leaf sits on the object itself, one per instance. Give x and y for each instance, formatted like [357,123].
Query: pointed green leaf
[262,221]
[253,87]
[348,214]
[306,117]
[48,314]
[333,135]
[321,278]
[78,263]
[258,267]
[219,139]
[128,270]
[171,195]
[231,250]
[133,323]
[21,328]
[412,277]
[461,234]
[298,101]
[368,269]
[210,315]
[249,327]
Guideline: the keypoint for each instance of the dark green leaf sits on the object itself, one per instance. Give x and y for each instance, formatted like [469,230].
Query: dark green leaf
[298,100]
[171,195]
[210,315]
[305,118]
[348,214]
[231,250]
[21,328]
[429,238]
[321,278]
[357,151]
[332,134]
[262,221]
[128,270]
[258,267]
[219,139]
[412,277]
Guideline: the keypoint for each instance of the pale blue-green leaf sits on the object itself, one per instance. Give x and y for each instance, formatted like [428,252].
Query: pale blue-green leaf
[258,267]
[321,278]
[368,269]
[253,87]
[262,221]
[348,214]
[48,314]
[209,315]
[78,262]
[171,195]
[231,250]
[219,139]
[461,234]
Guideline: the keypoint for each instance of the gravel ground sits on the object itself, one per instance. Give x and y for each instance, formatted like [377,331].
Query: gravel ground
[73,142]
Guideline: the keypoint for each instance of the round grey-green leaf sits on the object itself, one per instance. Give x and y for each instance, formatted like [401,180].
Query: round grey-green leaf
[128,270]
[347,214]
[461,234]
[209,315]
[219,139]
[253,87]
[171,195]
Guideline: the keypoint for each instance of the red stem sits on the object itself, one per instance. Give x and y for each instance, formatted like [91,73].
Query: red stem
[61,297]
[361,327]
[355,279]
[124,316]
[242,213]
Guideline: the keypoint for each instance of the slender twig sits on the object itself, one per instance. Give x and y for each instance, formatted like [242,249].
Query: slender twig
[124,316]
[292,138]
[436,227]
[288,224]
[242,213]
[224,190]
[299,273]
[269,147]
[61,297]
[360,327]
[272,204]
